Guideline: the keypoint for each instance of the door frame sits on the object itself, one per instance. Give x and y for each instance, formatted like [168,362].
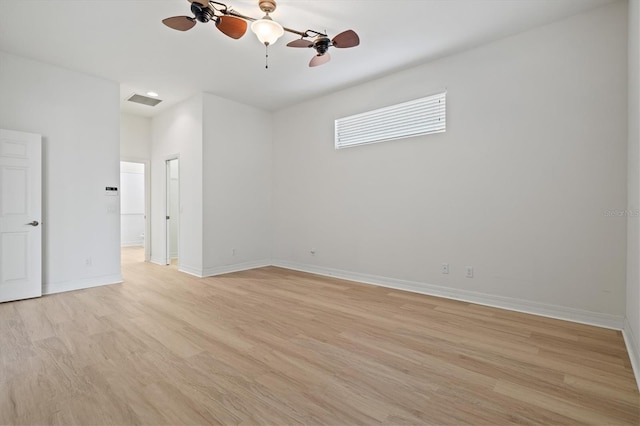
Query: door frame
[167,207]
[147,203]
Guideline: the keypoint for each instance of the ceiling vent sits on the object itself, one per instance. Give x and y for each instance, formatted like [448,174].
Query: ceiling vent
[144,100]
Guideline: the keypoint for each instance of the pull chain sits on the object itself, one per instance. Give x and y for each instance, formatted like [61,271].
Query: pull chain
[266,55]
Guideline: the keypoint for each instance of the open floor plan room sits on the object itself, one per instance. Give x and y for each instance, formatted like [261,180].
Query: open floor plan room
[319,212]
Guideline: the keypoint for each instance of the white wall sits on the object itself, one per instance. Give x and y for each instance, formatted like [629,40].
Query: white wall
[518,186]
[178,132]
[135,137]
[132,204]
[632,326]
[78,117]
[237,186]
[224,184]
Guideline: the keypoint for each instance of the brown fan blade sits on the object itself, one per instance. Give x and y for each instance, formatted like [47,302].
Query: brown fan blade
[300,43]
[319,60]
[346,39]
[180,23]
[232,26]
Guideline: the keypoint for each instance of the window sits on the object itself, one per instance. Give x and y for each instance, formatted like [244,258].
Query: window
[414,118]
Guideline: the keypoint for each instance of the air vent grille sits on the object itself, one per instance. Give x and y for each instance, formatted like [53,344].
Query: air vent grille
[144,100]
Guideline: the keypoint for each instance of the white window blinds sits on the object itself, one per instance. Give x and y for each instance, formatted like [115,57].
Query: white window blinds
[414,118]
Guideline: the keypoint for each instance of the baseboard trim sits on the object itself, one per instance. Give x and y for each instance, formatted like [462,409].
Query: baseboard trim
[158,261]
[60,287]
[226,269]
[132,244]
[237,267]
[633,349]
[196,272]
[519,305]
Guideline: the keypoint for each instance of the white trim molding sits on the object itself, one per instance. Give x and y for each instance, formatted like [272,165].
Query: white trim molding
[519,305]
[158,261]
[62,286]
[633,349]
[191,270]
[137,243]
[237,267]
[226,269]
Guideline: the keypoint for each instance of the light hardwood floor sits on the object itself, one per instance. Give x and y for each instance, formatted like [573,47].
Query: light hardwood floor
[272,346]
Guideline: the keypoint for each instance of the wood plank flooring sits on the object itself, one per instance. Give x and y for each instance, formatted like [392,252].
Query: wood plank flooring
[272,346]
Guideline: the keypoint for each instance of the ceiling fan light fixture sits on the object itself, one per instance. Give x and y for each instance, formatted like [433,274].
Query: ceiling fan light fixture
[267,30]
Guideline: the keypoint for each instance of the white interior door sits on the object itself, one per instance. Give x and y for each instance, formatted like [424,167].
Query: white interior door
[20,215]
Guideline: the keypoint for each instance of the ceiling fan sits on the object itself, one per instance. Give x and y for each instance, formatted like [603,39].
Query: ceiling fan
[322,43]
[234,25]
[205,11]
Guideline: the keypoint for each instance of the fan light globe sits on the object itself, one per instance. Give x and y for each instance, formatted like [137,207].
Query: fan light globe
[267,30]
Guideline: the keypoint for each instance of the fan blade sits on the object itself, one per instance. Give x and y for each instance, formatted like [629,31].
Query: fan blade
[300,43]
[319,60]
[232,26]
[346,39]
[180,23]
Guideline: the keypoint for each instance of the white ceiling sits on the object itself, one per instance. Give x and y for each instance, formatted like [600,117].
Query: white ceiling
[125,41]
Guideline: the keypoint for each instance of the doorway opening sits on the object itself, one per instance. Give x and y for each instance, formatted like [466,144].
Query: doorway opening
[134,229]
[173,211]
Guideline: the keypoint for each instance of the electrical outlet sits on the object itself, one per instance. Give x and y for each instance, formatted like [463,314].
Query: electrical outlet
[88,261]
[444,268]
[469,271]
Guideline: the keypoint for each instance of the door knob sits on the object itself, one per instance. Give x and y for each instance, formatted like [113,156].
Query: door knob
[34,223]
